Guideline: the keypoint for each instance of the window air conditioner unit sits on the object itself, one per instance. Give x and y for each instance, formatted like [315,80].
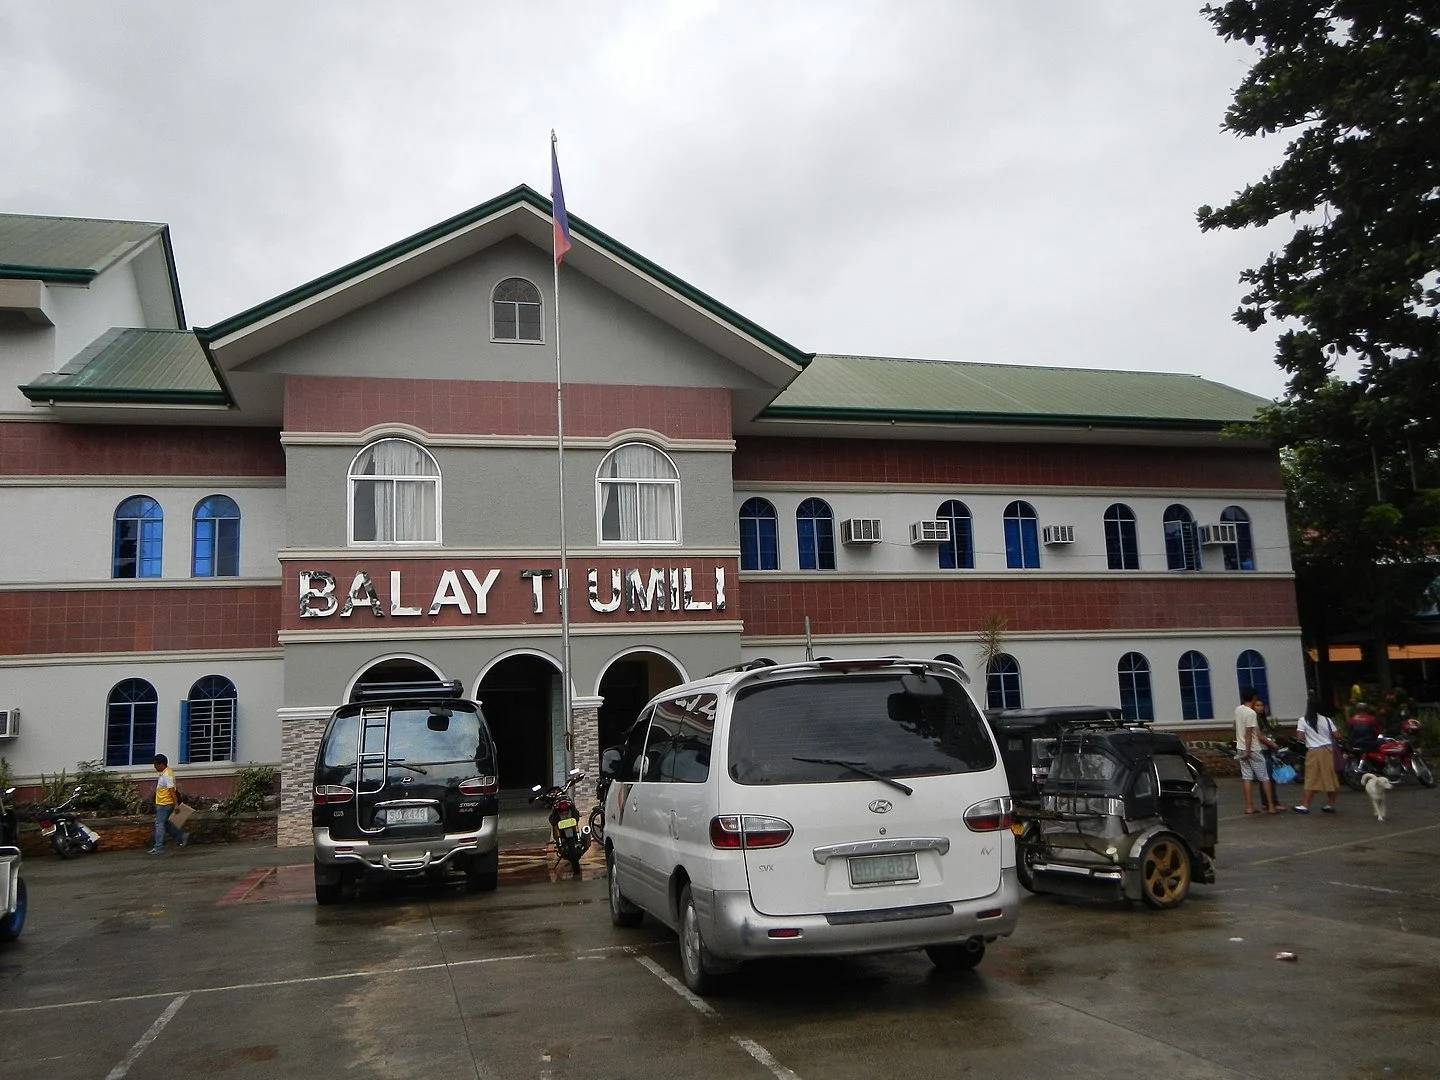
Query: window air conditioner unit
[929,532]
[860,531]
[9,723]
[1059,534]
[1221,533]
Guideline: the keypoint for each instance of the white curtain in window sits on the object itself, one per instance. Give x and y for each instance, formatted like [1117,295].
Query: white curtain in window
[638,488]
[388,508]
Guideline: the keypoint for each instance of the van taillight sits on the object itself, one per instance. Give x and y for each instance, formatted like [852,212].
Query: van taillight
[332,793]
[992,815]
[748,831]
[480,785]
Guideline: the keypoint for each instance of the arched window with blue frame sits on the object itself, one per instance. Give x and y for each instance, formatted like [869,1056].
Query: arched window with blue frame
[1002,682]
[1182,539]
[1241,554]
[215,544]
[1022,537]
[1196,702]
[139,536]
[1122,543]
[815,535]
[957,553]
[1136,701]
[759,535]
[130,714]
[1250,671]
[207,721]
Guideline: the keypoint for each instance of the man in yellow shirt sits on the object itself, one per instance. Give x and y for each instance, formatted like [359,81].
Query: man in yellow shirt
[166,799]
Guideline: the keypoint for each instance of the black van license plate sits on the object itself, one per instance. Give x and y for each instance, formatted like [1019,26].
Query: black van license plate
[884,869]
[406,815]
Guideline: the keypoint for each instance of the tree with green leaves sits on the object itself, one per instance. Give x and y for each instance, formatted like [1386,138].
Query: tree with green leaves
[1355,86]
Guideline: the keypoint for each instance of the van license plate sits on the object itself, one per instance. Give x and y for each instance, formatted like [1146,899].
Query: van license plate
[406,815]
[884,869]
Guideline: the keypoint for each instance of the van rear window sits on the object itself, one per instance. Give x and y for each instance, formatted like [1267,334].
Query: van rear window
[892,724]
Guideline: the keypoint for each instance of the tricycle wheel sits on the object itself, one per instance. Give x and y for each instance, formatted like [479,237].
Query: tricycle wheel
[1024,853]
[1164,871]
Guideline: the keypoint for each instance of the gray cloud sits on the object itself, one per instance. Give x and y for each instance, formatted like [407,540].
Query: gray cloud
[963,180]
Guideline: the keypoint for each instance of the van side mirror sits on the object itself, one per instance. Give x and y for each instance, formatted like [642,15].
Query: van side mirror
[610,762]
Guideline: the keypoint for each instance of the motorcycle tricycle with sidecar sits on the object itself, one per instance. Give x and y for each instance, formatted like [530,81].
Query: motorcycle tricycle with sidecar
[1125,812]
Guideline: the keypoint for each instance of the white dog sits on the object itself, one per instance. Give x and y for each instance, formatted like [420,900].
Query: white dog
[1376,787]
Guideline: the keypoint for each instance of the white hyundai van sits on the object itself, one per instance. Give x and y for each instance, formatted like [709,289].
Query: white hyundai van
[821,808]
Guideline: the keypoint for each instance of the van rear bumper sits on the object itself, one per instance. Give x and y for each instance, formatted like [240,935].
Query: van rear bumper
[413,857]
[734,930]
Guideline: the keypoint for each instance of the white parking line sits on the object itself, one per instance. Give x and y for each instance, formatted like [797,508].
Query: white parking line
[1369,888]
[673,983]
[1347,843]
[760,1054]
[750,1046]
[363,974]
[119,1071]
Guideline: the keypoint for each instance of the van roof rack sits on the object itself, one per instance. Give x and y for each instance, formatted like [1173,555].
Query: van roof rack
[424,690]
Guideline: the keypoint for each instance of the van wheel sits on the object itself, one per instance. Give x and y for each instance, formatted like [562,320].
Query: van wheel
[12,924]
[696,963]
[483,873]
[962,956]
[622,911]
[328,891]
[1164,871]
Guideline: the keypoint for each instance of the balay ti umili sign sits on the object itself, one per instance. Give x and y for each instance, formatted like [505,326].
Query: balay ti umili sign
[486,592]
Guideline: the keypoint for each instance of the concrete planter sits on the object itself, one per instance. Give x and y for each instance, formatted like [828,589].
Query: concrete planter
[138,831]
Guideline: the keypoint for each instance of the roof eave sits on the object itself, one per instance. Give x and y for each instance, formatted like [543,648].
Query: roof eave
[921,416]
[59,275]
[44,394]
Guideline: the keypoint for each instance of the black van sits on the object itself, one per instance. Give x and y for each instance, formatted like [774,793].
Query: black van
[406,785]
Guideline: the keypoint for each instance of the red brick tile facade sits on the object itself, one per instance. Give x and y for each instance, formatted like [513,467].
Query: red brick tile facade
[29,449]
[959,605]
[862,461]
[138,619]
[447,407]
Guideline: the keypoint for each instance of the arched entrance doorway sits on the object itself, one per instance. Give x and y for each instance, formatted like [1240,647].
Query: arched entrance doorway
[397,669]
[628,683]
[522,701]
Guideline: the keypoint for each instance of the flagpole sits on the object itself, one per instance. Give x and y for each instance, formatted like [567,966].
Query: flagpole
[561,227]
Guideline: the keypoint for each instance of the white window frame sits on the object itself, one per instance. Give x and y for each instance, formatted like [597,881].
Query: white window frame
[672,483]
[418,478]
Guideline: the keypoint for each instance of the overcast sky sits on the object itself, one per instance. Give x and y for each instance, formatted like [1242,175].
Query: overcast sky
[986,180]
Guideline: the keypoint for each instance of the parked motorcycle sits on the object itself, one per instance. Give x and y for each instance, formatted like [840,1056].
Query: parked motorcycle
[12,885]
[1289,752]
[68,836]
[1390,757]
[571,840]
[597,813]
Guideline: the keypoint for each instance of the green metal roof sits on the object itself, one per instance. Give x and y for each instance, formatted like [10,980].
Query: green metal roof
[135,366]
[63,249]
[515,196]
[880,389]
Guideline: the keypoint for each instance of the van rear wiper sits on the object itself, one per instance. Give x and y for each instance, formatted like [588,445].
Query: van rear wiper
[855,766]
[412,768]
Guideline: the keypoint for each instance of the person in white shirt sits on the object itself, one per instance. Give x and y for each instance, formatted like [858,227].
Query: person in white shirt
[1250,742]
[1319,735]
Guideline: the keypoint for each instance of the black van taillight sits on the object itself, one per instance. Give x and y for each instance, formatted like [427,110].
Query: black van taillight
[992,815]
[748,831]
[480,785]
[325,794]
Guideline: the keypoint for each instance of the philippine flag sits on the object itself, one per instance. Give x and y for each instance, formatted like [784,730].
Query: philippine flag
[560,222]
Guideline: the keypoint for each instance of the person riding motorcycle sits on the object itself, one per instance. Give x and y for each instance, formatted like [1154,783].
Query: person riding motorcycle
[1364,729]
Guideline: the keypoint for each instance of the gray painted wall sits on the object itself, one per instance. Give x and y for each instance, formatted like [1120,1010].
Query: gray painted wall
[439,328]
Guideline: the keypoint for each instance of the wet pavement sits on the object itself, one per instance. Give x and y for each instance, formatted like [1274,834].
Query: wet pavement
[215,961]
